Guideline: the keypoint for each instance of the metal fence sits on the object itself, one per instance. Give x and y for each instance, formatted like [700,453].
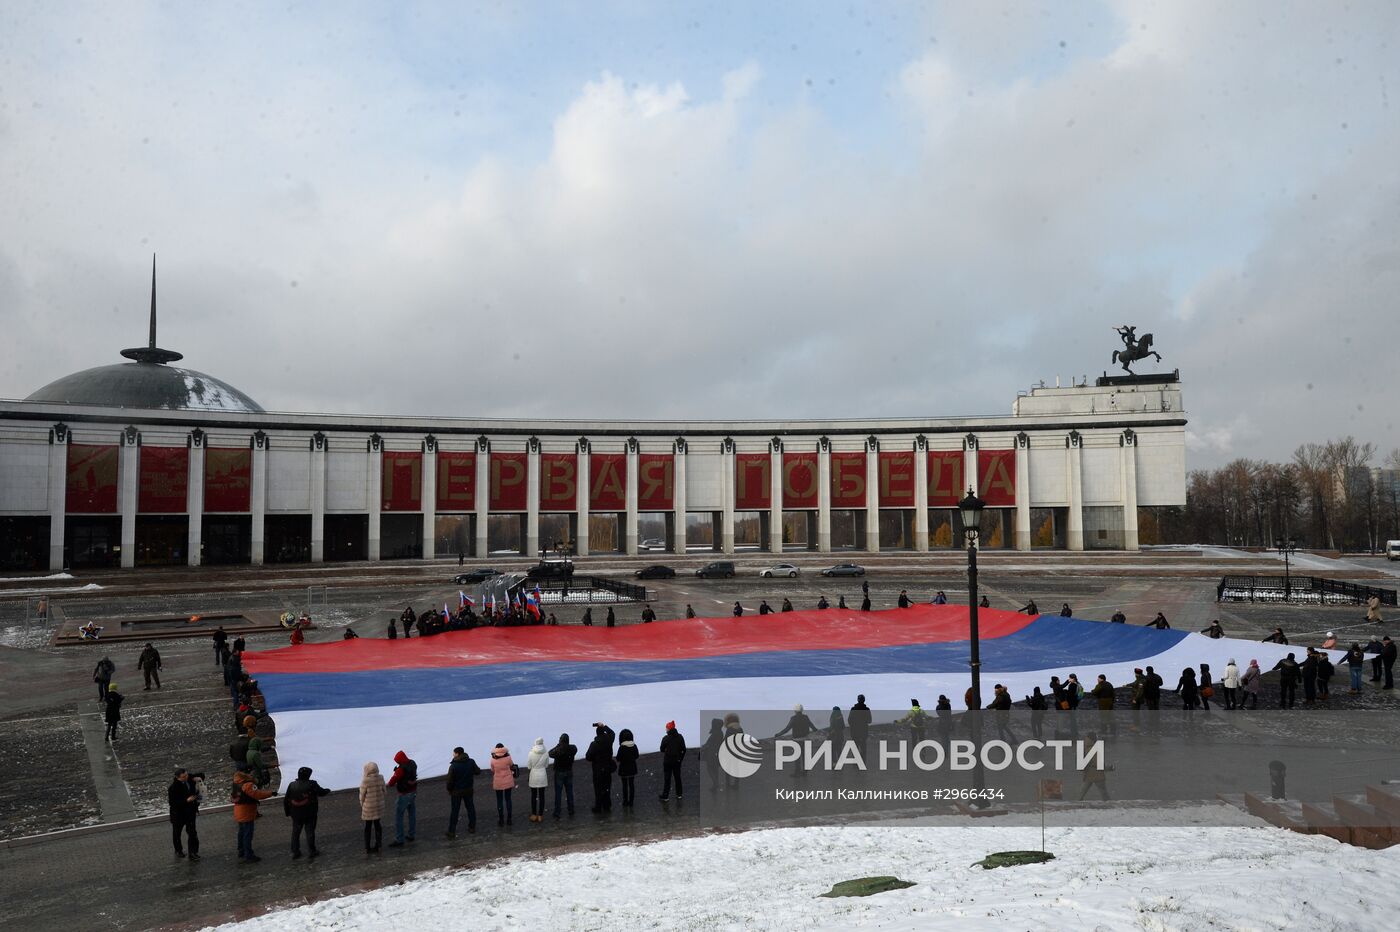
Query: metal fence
[1315,590]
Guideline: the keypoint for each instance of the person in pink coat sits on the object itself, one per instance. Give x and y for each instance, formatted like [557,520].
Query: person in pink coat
[503,782]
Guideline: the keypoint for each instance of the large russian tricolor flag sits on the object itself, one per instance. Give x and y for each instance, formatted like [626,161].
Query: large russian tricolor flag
[340,704]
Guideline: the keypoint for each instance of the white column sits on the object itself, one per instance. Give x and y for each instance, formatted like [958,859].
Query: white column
[1074,529]
[58,498]
[318,501]
[376,496]
[128,474]
[872,497]
[921,498]
[194,506]
[257,502]
[824,498]
[429,501]
[532,500]
[1023,495]
[678,502]
[483,498]
[1130,501]
[728,491]
[775,499]
[630,519]
[585,488]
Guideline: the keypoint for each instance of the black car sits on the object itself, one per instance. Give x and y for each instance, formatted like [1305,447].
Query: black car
[552,569]
[721,568]
[656,571]
[475,576]
[844,569]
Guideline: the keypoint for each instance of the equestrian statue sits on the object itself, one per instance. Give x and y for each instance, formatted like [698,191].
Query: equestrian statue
[1134,348]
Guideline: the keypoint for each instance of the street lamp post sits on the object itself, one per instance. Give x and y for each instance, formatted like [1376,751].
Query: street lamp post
[971,509]
[1287,548]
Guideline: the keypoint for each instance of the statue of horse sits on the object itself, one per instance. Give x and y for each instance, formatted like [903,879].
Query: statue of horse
[1134,349]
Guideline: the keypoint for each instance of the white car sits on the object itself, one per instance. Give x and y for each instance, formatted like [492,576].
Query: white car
[780,569]
[654,543]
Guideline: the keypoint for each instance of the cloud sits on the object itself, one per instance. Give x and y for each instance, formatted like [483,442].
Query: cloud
[347,227]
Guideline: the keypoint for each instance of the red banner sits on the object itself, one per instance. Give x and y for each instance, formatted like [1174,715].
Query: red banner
[848,480]
[996,472]
[945,478]
[165,480]
[607,482]
[800,480]
[228,480]
[508,485]
[896,480]
[92,479]
[456,481]
[656,482]
[558,482]
[753,486]
[402,481]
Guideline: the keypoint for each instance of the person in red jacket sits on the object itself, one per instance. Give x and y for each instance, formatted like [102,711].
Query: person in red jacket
[405,780]
[246,797]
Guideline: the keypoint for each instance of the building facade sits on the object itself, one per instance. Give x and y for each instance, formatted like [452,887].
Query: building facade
[153,478]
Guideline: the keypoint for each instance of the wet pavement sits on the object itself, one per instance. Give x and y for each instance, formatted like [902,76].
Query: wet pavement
[127,877]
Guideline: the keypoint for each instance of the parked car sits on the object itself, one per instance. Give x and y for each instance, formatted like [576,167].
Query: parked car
[478,575]
[844,569]
[721,568]
[551,569]
[1392,550]
[656,571]
[780,569]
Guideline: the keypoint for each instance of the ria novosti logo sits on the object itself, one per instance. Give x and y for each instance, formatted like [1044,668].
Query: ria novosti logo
[740,755]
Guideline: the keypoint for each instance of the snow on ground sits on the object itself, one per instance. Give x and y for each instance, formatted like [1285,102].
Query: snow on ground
[1182,878]
[49,590]
[5,579]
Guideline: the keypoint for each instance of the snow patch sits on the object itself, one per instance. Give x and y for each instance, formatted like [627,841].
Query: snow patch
[1186,878]
[6,579]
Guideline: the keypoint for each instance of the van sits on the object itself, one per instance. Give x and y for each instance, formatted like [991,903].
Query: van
[1392,550]
[721,568]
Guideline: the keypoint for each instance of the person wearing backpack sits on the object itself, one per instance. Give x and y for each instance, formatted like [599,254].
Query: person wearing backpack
[503,771]
[301,804]
[405,780]
[245,799]
[102,676]
[238,750]
[627,754]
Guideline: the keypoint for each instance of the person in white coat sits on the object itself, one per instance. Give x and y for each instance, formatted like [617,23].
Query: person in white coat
[538,763]
[1230,682]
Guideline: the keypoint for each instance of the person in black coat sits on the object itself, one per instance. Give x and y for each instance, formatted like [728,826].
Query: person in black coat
[1186,688]
[220,646]
[1152,684]
[709,751]
[859,719]
[764,608]
[672,753]
[461,785]
[301,803]
[600,757]
[563,755]
[114,710]
[1374,648]
[1288,674]
[1388,661]
[612,618]
[184,808]
[627,754]
[102,676]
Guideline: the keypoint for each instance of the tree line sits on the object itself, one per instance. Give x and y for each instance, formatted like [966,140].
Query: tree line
[1327,497]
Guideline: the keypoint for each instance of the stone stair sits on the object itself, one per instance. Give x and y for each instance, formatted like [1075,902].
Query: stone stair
[1366,820]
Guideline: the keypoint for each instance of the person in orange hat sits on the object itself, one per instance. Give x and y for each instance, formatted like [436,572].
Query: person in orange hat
[672,753]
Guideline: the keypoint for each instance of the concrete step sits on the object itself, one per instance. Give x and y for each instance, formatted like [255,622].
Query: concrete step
[1280,812]
[1384,799]
[1322,819]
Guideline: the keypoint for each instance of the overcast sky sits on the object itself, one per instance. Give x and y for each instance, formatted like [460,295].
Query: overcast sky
[650,210]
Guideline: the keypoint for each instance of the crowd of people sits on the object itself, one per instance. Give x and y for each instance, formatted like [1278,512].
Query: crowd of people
[612,754]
